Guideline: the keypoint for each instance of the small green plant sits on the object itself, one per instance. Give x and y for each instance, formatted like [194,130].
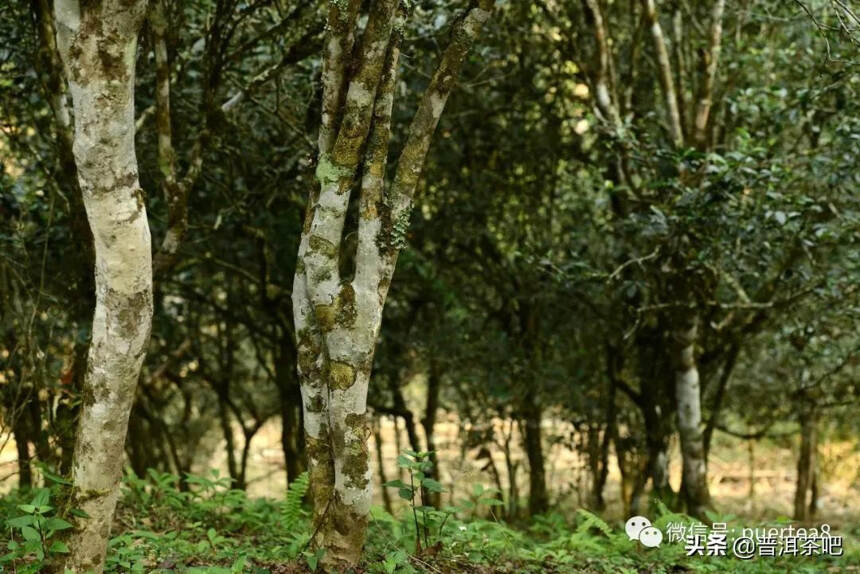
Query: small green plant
[418,465]
[293,511]
[313,558]
[32,535]
[397,561]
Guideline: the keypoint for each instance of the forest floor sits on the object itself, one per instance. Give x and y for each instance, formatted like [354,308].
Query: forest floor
[211,529]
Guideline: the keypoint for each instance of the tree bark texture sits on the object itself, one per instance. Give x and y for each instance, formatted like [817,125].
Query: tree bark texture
[337,318]
[688,395]
[98,45]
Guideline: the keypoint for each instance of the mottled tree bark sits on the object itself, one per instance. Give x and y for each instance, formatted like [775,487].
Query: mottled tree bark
[337,319]
[688,394]
[98,45]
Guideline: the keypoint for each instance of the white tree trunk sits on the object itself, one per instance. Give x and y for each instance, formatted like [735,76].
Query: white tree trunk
[98,44]
[688,395]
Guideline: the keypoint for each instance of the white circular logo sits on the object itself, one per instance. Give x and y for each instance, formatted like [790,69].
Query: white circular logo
[635,525]
[651,537]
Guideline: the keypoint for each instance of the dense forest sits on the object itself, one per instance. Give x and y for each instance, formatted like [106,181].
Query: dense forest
[429,285]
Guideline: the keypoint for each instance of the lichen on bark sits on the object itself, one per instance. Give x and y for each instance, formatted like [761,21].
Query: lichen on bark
[97,42]
[338,319]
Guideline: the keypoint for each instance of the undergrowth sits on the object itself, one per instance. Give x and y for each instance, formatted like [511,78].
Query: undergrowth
[200,525]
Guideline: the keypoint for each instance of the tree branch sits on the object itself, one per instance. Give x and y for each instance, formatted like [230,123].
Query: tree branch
[709,64]
[664,67]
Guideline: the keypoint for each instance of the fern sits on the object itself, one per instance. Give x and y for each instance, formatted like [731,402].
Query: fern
[293,512]
[591,520]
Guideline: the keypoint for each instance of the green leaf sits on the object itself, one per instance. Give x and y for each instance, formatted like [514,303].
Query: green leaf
[396,484]
[30,535]
[404,461]
[405,493]
[314,558]
[432,485]
[58,547]
[53,477]
[79,513]
[239,565]
[28,508]
[20,521]
[43,496]
[57,524]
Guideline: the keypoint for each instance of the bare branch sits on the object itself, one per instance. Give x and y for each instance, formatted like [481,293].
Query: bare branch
[710,62]
[664,67]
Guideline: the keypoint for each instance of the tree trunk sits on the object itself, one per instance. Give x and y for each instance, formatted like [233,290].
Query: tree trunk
[291,402]
[606,443]
[98,45]
[229,441]
[658,469]
[592,442]
[511,470]
[694,483]
[429,422]
[657,435]
[813,491]
[805,463]
[533,439]
[337,318]
[80,262]
[25,473]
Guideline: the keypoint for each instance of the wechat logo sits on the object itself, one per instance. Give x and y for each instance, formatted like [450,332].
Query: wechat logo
[639,528]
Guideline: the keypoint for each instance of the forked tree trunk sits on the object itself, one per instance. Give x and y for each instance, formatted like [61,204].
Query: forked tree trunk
[98,45]
[694,483]
[694,480]
[337,319]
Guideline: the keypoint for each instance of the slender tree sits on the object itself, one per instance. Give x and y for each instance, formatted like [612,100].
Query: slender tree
[98,44]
